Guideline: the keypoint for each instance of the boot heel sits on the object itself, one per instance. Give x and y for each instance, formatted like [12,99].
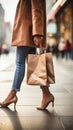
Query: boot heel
[52,103]
[8,101]
[15,106]
[15,103]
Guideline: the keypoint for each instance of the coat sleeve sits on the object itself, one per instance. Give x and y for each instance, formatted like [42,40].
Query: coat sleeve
[37,17]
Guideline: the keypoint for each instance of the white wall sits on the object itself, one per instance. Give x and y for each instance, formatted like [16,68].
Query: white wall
[10,7]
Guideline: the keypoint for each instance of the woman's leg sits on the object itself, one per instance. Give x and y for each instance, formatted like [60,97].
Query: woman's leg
[47,97]
[20,67]
[22,53]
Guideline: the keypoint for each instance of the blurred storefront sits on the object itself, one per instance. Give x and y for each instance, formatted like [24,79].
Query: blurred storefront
[52,26]
[61,14]
[51,22]
[5,33]
[64,20]
[2,26]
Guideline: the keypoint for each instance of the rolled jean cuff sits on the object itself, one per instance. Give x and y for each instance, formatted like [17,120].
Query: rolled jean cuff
[16,90]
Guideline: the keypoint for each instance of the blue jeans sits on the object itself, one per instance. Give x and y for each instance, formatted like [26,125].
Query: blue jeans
[21,56]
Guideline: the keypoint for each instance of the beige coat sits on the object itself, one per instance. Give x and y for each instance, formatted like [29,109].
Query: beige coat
[30,20]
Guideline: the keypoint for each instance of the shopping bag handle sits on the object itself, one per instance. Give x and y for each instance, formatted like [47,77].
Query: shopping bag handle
[40,50]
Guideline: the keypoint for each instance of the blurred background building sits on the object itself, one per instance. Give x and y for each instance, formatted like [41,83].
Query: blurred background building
[2,27]
[59,25]
[64,20]
[5,33]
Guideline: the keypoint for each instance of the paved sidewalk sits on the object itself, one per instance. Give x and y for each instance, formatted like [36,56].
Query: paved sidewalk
[6,60]
[26,116]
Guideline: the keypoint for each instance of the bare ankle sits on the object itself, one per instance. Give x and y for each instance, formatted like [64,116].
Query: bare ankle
[13,92]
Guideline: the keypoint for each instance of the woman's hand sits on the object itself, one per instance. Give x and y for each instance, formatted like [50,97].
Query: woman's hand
[38,40]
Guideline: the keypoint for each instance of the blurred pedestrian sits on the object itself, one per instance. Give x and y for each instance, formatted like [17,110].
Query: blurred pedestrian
[4,49]
[68,49]
[28,33]
[61,48]
[56,51]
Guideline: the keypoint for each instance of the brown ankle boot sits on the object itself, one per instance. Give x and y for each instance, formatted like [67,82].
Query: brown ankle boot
[11,98]
[47,99]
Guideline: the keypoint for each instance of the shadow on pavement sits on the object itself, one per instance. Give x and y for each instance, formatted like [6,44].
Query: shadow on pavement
[13,116]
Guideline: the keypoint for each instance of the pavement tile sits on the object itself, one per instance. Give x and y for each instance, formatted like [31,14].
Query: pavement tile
[68,122]
[26,116]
